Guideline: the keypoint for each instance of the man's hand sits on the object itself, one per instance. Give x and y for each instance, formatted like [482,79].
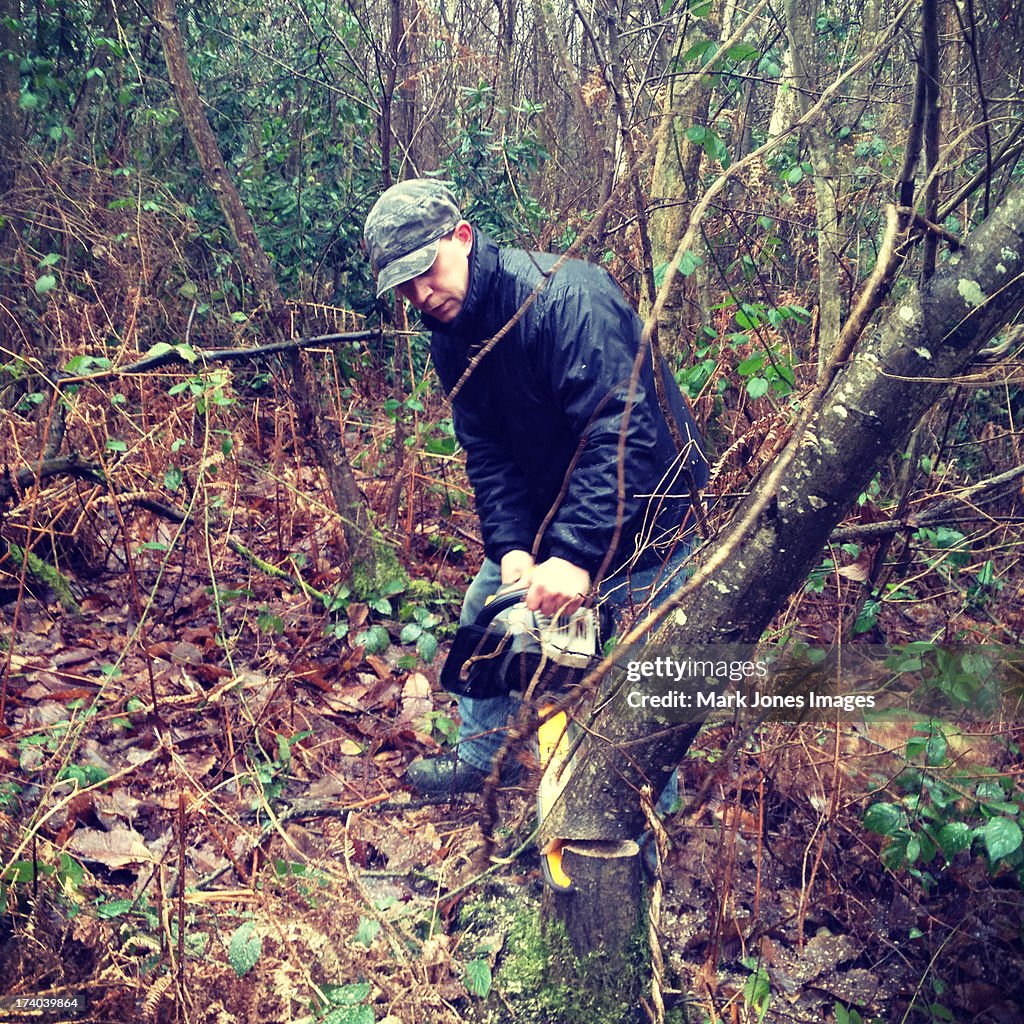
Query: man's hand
[556,587]
[516,567]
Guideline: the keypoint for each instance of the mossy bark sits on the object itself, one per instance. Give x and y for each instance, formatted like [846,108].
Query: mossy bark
[875,400]
[544,981]
[44,573]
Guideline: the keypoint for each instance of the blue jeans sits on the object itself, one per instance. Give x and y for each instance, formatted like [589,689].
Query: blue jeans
[484,721]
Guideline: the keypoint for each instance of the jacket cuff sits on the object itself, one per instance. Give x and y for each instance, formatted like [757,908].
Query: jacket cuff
[496,552]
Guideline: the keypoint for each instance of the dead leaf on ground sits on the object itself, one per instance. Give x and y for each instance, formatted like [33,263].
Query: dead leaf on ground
[416,700]
[119,848]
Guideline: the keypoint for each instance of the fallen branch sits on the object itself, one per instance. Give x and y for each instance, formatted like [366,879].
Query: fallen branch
[937,513]
[189,355]
[65,465]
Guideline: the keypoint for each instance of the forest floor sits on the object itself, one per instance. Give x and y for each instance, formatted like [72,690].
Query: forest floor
[203,819]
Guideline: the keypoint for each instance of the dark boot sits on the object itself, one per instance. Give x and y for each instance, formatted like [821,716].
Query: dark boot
[448,774]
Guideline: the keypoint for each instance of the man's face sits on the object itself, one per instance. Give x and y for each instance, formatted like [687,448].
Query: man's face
[440,291]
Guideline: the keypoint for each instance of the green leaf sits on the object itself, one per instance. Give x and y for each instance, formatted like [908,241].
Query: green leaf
[743,51]
[440,446]
[884,819]
[245,949]
[45,283]
[700,50]
[367,931]
[49,260]
[410,632]
[81,365]
[70,870]
[115,908]
[25,871]
[374,640]
[954,837]
[757,387]
[161,348]
[1002,837]
[750,365]
[348,995]
[173,478]
[426,646]
[350,1015]
[689,263]
[115,444]
[478,978]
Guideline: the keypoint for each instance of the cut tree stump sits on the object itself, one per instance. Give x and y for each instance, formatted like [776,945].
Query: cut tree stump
[600,913]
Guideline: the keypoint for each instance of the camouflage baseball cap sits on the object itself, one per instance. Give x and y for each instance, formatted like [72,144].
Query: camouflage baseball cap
[403,229]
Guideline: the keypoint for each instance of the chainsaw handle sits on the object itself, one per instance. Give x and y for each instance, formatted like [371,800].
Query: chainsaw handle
[499,602]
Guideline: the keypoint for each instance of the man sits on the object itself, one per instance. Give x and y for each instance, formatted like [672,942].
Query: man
[578,481]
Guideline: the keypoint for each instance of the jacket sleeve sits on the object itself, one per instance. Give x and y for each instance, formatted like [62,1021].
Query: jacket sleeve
[498,484]
[606,393]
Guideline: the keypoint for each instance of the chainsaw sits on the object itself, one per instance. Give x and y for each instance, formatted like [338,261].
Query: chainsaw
[511,649]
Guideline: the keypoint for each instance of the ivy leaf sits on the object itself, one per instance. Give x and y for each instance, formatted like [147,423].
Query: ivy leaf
[478,978]
[45,283]
[245,949]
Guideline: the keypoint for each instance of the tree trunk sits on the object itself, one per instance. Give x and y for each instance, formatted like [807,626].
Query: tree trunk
[611,871]
[800,38]
[674,185]
[870,408]
[10,86]
[548,17]
[323,434]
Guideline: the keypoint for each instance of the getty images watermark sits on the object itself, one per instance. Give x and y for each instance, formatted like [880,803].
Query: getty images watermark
[799,682]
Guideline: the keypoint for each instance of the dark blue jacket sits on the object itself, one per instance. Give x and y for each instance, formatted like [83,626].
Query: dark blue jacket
[543,415]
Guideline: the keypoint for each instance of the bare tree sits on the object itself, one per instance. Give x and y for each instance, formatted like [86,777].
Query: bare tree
[323,434]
